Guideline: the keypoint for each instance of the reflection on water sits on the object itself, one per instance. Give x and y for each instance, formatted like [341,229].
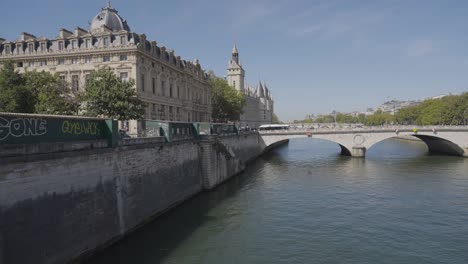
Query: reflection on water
[304,203]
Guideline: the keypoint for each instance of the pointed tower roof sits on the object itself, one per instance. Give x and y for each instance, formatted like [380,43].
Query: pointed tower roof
[260,90]
[267,91]
[234,49]
[234,63]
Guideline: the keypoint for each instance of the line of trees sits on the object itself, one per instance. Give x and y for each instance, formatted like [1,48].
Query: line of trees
[34,92]
[105,95]
[449,110]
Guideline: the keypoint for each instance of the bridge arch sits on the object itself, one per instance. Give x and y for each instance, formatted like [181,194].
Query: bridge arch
[356,143]
[441,145]
[344,151]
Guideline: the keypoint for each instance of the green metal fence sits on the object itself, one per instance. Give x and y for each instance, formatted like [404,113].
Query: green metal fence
[203,128]
[25,128]
[31,128]
[223,129]
[171,131]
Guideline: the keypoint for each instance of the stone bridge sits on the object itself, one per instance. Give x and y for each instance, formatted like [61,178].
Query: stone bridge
[451,140]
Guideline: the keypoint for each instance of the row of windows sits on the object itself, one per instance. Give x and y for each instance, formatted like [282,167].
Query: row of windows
[85,60]
[162,108]
[175,93]
[62,45]
[159,112]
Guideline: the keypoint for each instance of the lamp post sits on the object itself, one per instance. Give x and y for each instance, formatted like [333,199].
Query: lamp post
[334,117]
[464,117]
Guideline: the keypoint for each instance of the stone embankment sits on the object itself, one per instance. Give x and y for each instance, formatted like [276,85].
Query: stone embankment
[60,202]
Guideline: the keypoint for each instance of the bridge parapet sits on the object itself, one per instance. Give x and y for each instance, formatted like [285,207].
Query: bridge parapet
[356,141]
[369,129]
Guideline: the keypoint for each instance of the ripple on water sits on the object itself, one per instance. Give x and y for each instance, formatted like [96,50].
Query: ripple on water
[304,203]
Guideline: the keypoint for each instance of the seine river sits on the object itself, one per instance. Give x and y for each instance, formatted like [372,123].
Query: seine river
[304,203]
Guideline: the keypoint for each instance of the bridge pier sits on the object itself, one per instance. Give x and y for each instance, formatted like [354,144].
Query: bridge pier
[358,152]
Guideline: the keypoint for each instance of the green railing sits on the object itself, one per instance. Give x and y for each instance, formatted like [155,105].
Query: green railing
[32,128]
[224,129]
[216,128]
[29,128]
[171,131]
[203,128]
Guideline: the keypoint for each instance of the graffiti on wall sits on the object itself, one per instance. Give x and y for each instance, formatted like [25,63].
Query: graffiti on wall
[24,130]
[22,127]
[81,128]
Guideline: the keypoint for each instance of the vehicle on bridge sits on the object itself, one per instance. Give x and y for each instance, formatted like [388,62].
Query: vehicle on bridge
[273,127]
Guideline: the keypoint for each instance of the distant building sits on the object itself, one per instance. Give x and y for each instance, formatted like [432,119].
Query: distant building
[394,106]
[174,89]
[259,102]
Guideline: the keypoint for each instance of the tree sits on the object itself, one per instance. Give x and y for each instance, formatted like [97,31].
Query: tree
[325,119]
[379,118]
[226,102]
[51,95]
[14,94]
[275,119]
[449,110]
[345,118]
[107,95]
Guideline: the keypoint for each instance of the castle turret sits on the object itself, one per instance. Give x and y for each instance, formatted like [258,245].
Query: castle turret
[258,109]
[260,90]
[267,92]
[235,72]
[235,54]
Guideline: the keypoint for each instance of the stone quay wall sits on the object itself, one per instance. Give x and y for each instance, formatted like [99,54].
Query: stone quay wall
[60,206]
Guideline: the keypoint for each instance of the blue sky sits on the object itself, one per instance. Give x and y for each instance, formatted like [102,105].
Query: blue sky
[315,56]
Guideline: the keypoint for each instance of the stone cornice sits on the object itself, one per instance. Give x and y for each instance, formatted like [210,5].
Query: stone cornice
[70,53]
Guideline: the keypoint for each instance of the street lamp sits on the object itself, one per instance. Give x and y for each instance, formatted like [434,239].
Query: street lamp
[464,116]
[334,116]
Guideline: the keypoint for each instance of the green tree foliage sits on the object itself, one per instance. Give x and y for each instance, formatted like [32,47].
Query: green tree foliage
[34,92]
[345,118]
[325,119]
[108,96]
[226,102]
[275,119]
[449,110]
[361,118]
[15,96]
[50,95]
[379,118]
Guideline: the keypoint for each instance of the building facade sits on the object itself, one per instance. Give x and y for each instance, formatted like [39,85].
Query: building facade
[259,101]
[173,89]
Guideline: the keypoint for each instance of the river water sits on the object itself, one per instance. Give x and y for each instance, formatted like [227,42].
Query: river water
[304,203]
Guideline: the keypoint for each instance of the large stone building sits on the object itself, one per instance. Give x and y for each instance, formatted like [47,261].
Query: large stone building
[259,101]
[174,89]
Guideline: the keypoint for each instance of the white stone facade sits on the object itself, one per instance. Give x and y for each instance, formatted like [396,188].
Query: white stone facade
[174,89]
[259,101]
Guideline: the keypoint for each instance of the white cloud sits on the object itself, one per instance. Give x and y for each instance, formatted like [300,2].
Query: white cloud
[338,24]
[251,13]
[421,47]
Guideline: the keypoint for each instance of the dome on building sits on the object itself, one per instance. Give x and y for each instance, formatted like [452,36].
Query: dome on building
[110,18]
